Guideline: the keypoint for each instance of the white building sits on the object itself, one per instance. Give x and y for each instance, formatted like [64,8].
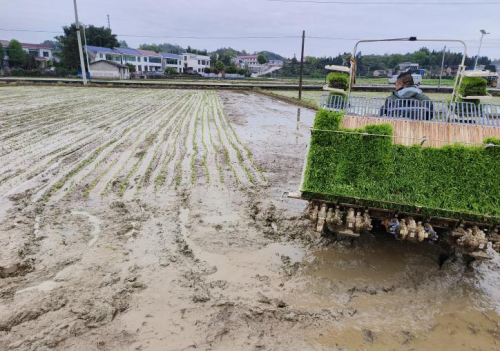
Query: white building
[171,61]
[130,56]
[150,61]
[275,62]
[192,63]
[249,62]
[142,60]
[40,51]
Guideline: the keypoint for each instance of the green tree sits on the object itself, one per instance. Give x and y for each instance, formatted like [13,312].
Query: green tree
[232,69]
[68,42]
[131,67]
[2,56]
[101,36]
[219,66]
[293,65]
[261,59]
[97,36]
[152,47]
[30,61]
[17,56]
[123,44]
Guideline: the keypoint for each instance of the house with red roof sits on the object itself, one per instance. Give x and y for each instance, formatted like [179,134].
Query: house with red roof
[41,52]
[249,62]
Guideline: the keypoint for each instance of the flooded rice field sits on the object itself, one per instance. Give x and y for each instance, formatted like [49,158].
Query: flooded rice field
[154,220]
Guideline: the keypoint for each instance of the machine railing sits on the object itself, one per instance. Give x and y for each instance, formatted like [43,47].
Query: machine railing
[432,110]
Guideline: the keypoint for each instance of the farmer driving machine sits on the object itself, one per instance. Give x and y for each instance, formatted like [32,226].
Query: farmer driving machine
[424,171]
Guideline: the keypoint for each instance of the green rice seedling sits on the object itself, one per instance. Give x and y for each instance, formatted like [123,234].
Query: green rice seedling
[194,145]
[239,156]
[77,169]
[473,86]
[338,80]
[205,148]
[223,147]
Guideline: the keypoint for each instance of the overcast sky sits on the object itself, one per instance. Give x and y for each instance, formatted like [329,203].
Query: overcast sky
[162,21]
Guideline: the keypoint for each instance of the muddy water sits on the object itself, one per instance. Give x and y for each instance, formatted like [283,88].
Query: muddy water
[395,295]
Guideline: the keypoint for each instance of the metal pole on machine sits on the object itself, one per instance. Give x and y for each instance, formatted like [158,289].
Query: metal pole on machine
[82,61]
[302,64]
[442,68]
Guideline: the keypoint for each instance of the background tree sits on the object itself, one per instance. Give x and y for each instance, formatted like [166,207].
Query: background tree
[261,59]
[2,56]
[165,47]
[293,65]
[17,57]
[97,36]
[30,61]
[231,69]
[68,42]
[101,36]
[151,47]
[123,44]
[219,66]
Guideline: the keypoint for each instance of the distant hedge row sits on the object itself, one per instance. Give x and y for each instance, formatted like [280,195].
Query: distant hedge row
[454,181]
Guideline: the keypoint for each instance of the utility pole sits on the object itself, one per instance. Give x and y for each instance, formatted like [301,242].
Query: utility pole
[302,64]
[82,62]
[442,69]
[483,33]
[86,49]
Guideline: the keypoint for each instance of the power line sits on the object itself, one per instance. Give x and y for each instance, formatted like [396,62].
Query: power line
[356,39]
[385,2]
[30,31]
[166,36]
[209,38]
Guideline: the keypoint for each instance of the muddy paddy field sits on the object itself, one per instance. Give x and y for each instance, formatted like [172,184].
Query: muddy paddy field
[153,220]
